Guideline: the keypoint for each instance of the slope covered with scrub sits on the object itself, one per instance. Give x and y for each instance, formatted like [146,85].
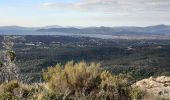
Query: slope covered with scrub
[73,81]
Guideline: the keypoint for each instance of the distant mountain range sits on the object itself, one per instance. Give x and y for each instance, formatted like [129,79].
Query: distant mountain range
[157,30]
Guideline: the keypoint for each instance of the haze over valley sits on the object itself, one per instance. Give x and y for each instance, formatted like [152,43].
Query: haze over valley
[149,32]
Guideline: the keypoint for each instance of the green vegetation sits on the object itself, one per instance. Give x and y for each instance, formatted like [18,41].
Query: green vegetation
[138,58]
[122,63]
[73,81]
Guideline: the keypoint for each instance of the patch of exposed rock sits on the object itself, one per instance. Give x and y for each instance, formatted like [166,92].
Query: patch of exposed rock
[158,87]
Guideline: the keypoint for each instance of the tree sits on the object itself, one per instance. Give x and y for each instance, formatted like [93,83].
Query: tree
[9,70]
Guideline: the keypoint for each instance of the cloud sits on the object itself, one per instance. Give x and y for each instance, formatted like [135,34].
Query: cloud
[113,6]
[118,12]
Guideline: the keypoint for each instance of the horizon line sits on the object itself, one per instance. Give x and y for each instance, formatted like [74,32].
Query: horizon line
[65,26]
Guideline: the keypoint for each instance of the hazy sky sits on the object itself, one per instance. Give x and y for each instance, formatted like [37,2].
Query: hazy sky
[84,12]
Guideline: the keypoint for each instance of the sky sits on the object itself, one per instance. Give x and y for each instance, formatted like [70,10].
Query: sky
[84,12]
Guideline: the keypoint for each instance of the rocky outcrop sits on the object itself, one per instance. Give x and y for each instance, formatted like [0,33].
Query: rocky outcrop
[158,87]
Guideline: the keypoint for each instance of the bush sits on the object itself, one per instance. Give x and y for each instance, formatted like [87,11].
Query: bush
[1,64]
[136,94]
[15,89]
[7,96]
[82,80]
[49,96]
[114,87]
[9,87]
[73,81]
[80,77]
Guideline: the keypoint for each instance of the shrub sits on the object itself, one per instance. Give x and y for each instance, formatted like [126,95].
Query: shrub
[1,64]
[136,94]
[86,81]
[73,81]
[49,96]
[79,77]
[15,89]
[9,87]
[114,87]
[7,96]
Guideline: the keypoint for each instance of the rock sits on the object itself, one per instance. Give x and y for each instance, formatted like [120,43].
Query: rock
[159,87]
[163,79]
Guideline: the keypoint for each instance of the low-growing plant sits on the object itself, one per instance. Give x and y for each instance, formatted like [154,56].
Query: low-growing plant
[9,87]
[16,89]
[79,77]
[114,87]
[83,81]
[1,64]
[73,81]
[7,96]
[136,94]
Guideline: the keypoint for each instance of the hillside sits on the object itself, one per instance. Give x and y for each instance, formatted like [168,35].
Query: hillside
[36,61]
[139,58]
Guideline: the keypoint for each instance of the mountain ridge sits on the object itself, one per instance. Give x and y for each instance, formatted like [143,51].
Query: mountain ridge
[156,30]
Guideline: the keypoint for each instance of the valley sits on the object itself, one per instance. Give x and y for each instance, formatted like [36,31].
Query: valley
[138,58]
